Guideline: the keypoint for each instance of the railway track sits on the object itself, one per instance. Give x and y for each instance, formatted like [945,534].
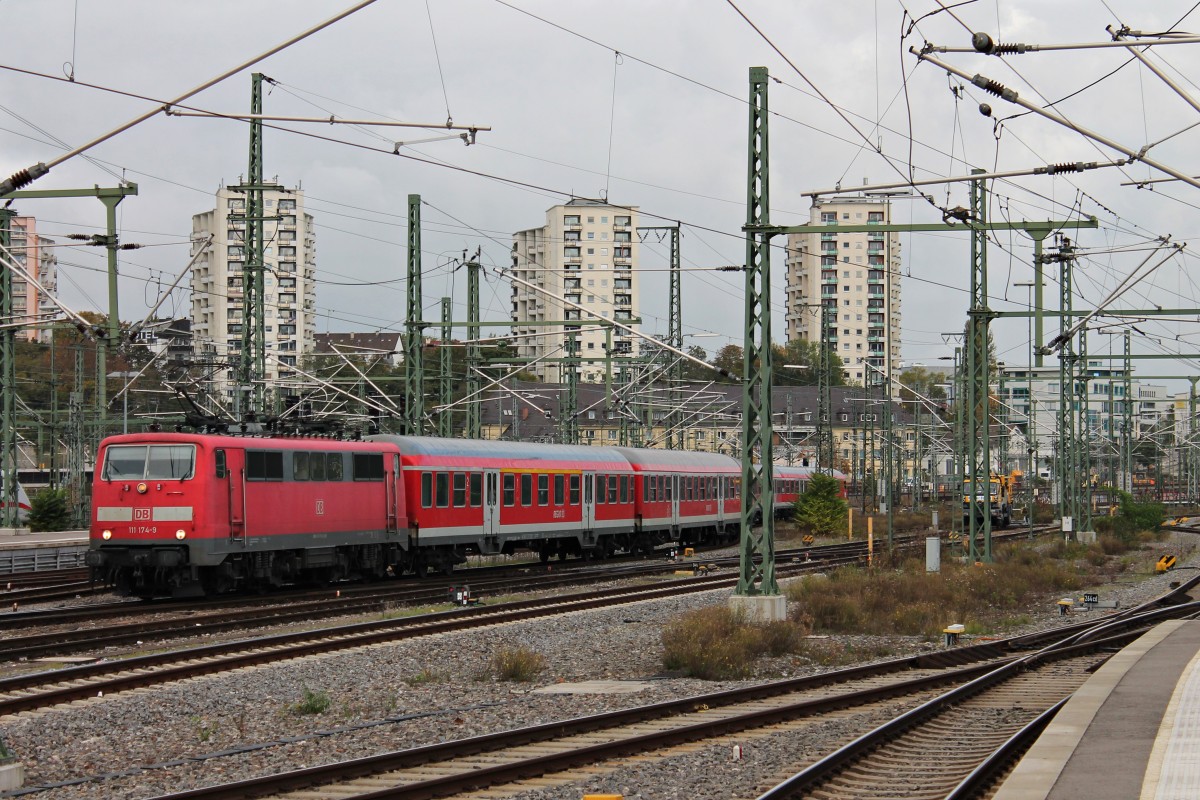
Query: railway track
[934,742]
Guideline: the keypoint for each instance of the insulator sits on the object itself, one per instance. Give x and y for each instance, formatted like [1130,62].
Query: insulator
[1002,49]
[994,87]
[1054,169]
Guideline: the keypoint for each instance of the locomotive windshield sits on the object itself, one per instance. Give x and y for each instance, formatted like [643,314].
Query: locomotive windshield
[155,462]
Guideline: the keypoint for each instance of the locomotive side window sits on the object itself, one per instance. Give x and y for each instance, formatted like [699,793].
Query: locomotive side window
[477,490]
[574,490]
[316,466]
[333,466]
[443,489]
[510,486]
[219,461]
[368,466]
[559,489]
[600,490]
[264,465]
[299,466]
[543,490]
[526,489]
[460,489]
[427,490]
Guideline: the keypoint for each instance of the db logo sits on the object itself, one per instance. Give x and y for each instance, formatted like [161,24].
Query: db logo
[141,513]
[320,508]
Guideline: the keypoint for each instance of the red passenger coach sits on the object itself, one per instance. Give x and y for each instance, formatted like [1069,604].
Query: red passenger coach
[471,496]
[686,496]
[791,482]
[188,513]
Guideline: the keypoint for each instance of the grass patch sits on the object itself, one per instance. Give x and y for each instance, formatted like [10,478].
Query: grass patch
[425,676]
[519,664]
[714,643]
[311,702]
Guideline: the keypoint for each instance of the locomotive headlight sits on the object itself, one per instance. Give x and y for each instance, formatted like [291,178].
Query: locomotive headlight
[106,535]
[141,488]
[180,534]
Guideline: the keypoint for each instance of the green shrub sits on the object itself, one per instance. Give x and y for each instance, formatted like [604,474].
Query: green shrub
[820,509]
[714,643]
[517,664]
[317,702]
[48,511]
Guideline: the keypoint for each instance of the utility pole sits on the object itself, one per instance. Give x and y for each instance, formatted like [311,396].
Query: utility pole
[76,446]
[445,373]
[978,415]
[8,437]
[959,436]
[252,361]
[414,358]
[1127,420]
[474,428]
[569,424]
[757,590]
[825,444]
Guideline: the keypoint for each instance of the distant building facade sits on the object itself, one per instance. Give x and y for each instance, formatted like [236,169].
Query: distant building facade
[857,276]
[289,289]
[587,253]
[33,253]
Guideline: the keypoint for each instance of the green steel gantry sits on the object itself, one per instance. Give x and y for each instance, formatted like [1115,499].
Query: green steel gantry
[414,327]
[674,440]
[252,360]
[445,426]
[474,426]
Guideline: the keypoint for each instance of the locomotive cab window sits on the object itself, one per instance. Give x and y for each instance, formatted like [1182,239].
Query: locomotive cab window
[574,485]
[510,486]
[264,465]
[156,462]
[460,489]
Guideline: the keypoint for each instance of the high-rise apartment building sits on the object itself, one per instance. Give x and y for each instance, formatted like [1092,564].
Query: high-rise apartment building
[35,255]
[289,291]
[587,253]
[857,276]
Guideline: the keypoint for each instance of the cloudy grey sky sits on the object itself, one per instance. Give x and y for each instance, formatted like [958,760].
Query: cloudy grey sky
[668,79]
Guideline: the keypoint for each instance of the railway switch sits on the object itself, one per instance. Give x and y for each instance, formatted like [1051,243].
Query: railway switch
[1165,563]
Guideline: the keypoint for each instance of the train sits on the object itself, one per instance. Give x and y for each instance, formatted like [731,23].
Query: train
[183,514]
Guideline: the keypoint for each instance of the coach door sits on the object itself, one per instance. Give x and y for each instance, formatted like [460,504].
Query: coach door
[491,502]
[392,487]
[674,485]
[589,501]
[720,498]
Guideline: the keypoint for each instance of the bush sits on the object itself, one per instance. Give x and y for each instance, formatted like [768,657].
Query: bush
[517,664]
[714,643]
[820,509]
[48,511]
[317,702]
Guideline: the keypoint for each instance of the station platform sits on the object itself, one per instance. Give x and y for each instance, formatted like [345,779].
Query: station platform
[22,551]
[1131,731]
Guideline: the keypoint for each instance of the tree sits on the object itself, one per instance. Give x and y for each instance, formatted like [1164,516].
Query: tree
[693,371]
[920,381]
[802,353]
[729,358]
[48,511]
[821,510]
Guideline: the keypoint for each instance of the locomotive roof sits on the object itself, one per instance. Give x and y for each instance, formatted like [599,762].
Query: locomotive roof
[486,448]
[677,458]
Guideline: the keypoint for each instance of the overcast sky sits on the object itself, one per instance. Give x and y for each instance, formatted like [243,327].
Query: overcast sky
[662,126]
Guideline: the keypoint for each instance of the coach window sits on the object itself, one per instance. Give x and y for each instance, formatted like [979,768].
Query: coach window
[624,483]
[600,490]
[526,489]
[460,489]
[647,495]
[443,489]
[333,466]
[560,489]
[427,490]
[510,489]
[477,489]
[299,466]
[316,466]
[612,488]
[543,490]
[574,489]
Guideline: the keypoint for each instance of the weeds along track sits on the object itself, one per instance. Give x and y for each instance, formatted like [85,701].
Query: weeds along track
[976,715]
[91,629]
